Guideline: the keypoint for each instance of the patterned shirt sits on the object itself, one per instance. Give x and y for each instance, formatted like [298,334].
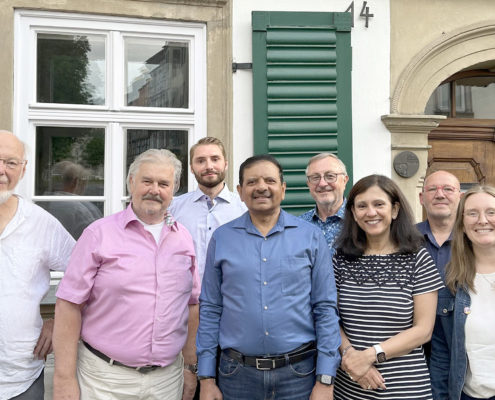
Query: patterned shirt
[331,228]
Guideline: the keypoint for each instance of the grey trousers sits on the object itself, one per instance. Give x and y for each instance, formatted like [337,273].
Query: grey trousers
[35,392]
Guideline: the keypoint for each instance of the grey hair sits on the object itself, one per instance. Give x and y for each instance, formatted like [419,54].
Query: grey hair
[157,156]
[322,156]
[26,151]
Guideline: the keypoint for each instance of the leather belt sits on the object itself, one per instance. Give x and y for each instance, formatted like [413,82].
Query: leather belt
[264,363]
[99,354]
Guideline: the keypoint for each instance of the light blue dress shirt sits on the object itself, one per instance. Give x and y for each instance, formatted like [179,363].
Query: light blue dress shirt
[268,295]
[192,210]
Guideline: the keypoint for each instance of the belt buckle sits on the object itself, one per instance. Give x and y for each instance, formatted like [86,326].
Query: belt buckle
[258,367]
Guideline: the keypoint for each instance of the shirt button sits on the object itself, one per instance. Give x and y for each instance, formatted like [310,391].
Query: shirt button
[264,283]
[266,239]
[209,228]
[266,308]
[157,318]
[439,252]
[445,311]
[264,259]
[266,333]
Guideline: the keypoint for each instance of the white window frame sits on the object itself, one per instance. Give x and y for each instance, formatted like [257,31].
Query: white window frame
[114,116]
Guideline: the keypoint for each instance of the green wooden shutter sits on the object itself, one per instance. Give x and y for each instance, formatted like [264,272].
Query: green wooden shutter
[302,93]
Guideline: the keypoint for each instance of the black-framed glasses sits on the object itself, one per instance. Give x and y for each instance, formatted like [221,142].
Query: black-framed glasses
[329,178]
[12,163]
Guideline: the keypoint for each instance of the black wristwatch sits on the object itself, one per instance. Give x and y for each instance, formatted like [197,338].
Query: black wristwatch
[325,379]
[200,378]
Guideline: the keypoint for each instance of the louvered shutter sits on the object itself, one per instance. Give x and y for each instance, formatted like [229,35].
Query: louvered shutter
[302,93]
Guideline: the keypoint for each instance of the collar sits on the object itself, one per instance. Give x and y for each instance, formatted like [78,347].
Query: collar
[284,221]
[22,213]
[425,229]
[224,194]
[129,216]
[340,213]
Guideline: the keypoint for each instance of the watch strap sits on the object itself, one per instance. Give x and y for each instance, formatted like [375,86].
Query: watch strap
[380,354]
[325,379]
[192,367]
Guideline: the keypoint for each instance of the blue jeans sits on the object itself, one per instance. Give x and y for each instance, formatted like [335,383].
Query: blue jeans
[238,381]
[464,396]
[35,392]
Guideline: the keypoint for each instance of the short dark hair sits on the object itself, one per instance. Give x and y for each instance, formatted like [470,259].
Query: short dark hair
[257,159]
[403,233]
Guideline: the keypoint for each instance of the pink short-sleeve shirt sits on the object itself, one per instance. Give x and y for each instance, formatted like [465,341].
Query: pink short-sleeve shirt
[136,292]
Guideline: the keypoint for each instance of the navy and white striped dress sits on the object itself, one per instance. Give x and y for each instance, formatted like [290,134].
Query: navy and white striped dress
[375,303]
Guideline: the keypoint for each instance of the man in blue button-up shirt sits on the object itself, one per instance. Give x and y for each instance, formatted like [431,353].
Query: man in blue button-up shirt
[268,295]
[440,198]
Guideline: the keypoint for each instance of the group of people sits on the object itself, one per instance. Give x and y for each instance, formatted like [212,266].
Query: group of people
[254,303]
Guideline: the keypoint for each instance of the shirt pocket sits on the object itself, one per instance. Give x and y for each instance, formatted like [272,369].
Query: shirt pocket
[296,275]
[183,276]
[24,261]
[445,306]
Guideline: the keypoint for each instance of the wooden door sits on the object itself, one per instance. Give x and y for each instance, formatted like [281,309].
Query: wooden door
[465,148]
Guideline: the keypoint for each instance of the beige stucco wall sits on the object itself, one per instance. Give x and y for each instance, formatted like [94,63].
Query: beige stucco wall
[215,13]
[417,23]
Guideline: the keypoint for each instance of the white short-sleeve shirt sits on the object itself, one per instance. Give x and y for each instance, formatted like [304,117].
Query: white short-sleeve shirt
[32,244]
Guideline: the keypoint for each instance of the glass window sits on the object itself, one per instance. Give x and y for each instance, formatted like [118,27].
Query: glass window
[474,97]
[140,140]
[71,69]
[69,161]
[157,73]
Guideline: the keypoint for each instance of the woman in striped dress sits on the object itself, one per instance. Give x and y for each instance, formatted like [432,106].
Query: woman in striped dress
[387,285]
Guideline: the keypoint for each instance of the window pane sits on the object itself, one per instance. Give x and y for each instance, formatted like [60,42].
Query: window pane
[75,216]
[69,161]
[140,140]
[475,101]
[71,69]
[156,73]
[439,102]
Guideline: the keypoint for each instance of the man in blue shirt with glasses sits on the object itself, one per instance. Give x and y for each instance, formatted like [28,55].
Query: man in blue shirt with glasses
[268,300]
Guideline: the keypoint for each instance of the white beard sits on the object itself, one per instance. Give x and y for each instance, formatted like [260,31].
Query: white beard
[5,195]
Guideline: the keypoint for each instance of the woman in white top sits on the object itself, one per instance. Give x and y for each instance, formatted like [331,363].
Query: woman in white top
[463,352]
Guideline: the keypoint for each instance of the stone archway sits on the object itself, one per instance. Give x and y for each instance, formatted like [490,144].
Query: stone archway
[439,60]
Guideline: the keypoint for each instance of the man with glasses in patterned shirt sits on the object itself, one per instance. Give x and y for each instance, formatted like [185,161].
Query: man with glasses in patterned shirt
[326,178]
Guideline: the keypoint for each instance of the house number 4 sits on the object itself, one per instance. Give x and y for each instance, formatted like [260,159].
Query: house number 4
[365,12]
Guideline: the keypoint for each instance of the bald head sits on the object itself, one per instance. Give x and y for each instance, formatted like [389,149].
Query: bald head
[9,139]
[437,203]
[12,165]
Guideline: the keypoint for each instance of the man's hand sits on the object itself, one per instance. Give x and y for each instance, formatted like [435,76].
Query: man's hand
[65,389]
[44,345]
[372,380]
[321,392]
[190,382]
[210,391]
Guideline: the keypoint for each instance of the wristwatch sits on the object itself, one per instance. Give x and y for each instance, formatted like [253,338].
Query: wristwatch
[325,379]
[380,354]
[192,367]
[200,378]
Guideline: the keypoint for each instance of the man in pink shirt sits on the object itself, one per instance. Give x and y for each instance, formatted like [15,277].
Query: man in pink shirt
[131,293]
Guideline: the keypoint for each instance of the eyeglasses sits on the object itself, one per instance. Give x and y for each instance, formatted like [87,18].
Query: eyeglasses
[12,163]
[329,178]
[474,216]
[447,190]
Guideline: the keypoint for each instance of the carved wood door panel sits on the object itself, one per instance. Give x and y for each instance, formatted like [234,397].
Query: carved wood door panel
[465,148]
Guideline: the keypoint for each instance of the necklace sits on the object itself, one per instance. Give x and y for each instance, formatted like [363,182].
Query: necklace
[491,284]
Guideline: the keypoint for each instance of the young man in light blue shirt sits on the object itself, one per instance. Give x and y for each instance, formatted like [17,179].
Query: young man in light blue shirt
[211,204]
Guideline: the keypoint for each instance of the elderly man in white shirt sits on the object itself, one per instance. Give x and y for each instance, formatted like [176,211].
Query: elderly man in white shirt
[32,243]
[211,204]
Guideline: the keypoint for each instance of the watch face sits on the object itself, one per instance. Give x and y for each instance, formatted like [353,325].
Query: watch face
[381,357]
[326,379]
